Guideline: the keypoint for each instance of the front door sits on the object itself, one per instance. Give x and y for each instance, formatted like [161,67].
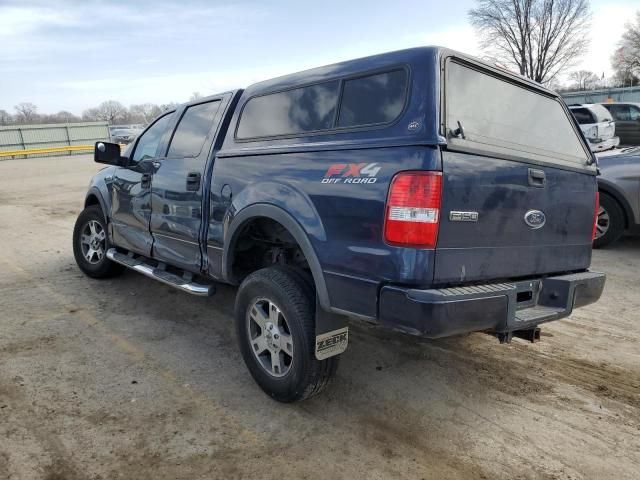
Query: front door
[131,190]
[178,185]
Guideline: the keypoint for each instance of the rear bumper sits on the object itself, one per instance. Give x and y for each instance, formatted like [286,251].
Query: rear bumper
[500,307]
[602,145]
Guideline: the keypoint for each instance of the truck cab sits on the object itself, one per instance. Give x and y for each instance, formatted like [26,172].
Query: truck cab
[421,190]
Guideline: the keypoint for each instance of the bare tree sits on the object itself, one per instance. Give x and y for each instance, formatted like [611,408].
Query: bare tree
[622,78]
[554,84]
[195,96]
[144,112]
[5,117]
[65,117]
[539,38]
[61,117]
[91,115]
[26,112]
[583,79]
[109,111]
[626,59]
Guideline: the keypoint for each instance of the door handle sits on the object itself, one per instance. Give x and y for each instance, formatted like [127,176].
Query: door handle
[193,181]
[145,180]
[537,178]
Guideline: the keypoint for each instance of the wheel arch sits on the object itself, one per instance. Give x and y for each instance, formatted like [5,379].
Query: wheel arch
[94,197]
[277,214]
[612,191]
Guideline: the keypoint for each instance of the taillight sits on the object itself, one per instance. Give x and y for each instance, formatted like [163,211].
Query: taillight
[595,216]
[413,209]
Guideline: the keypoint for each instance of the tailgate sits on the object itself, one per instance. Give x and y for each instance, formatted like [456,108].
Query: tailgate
[500,243]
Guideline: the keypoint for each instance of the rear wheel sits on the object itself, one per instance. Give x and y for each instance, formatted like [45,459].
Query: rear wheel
[91,242]
[610,222]
[275,324]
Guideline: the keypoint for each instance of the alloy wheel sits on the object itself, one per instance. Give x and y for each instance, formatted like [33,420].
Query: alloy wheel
[270,337]
[602,223]
[93,242]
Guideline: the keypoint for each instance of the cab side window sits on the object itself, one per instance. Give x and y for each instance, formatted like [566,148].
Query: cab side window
[634,112]
[193,129]
[148,143]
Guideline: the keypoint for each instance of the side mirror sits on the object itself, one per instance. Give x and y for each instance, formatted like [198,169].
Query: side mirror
[109,153]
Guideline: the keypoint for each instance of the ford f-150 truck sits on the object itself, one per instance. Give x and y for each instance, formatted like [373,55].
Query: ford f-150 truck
[421,190]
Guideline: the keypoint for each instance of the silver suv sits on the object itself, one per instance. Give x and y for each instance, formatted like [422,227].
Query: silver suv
[597,125]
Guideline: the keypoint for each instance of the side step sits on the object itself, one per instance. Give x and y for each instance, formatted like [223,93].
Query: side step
[160,274]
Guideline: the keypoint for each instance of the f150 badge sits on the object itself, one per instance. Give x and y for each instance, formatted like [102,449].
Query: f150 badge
[351,173]
[455,216]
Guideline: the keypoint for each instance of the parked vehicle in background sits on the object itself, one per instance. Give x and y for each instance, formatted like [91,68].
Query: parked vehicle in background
[597,125]
[627,118]
[124,134]
[619,187]
[402,189]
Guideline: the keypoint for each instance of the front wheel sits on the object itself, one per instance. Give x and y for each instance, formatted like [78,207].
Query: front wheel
[275,325]
[91,242]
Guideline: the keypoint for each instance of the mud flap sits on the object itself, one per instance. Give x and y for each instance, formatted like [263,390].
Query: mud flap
[332,333]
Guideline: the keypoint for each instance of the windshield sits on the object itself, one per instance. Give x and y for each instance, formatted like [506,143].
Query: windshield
[501,117]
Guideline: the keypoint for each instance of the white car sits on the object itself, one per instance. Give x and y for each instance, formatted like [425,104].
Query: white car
[597,125]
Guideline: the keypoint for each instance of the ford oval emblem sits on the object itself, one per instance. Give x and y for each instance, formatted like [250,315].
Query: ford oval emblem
[535,219]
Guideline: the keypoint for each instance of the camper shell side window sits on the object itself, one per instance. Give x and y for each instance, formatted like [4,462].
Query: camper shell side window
[368,100]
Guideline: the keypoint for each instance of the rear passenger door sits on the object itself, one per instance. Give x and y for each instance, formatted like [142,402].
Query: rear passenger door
[179,185]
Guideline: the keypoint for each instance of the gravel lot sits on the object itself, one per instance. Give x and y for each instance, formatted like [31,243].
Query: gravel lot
[129,379]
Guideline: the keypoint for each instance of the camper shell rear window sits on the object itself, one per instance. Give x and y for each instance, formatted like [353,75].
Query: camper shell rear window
[502,117]
[372,99]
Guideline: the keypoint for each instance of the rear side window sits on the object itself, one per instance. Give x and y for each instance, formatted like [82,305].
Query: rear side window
[299,110]
[624,113]
[193,129]
[502,117]
[369,100]
[373,99]
[583,116]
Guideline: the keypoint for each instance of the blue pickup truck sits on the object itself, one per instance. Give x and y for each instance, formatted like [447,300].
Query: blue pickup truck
[421,190]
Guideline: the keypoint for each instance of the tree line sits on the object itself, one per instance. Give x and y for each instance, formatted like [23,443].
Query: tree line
[111,111]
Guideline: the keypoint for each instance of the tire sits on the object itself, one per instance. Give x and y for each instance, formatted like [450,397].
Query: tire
[91,226]
[299,375]
[610,221]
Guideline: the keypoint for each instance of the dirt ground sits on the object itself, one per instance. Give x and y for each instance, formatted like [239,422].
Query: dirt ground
[129,379]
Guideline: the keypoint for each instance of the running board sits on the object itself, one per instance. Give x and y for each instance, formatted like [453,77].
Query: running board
[160,274]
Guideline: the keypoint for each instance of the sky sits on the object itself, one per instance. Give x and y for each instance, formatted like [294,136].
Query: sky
[74,54]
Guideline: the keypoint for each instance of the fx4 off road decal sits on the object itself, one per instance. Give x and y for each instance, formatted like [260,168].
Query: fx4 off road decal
[332,343]
[352,173]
